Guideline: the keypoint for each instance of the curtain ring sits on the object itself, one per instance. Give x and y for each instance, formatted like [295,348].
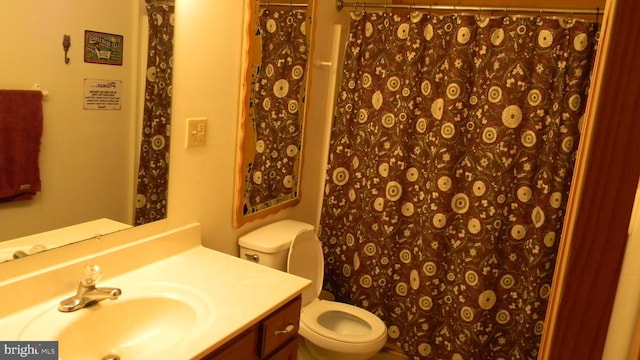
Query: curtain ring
[572,18]
[355,8]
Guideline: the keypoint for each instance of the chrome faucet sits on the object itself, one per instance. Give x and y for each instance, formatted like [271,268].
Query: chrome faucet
[87,293]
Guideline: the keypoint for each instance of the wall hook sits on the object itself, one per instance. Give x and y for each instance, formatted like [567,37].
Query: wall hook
[66,44]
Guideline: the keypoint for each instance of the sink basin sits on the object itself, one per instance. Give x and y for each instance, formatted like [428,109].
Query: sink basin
[145,321]
[126,328]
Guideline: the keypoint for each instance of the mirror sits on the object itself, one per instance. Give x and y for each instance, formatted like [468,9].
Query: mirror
[88,155]
[270,140]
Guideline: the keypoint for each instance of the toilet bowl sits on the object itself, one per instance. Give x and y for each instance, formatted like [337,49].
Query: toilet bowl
[330,330]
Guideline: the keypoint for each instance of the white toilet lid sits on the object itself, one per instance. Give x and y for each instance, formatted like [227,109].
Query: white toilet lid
[306,260]
[343,322]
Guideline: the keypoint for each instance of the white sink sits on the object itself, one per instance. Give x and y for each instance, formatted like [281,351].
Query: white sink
[147,320]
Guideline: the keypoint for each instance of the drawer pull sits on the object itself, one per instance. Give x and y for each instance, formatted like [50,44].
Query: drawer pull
[287,330]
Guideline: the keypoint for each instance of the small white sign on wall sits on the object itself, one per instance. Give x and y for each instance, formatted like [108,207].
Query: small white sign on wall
[102,94]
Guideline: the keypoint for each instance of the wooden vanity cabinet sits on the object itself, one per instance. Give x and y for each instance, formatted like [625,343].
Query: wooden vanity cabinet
[273,338]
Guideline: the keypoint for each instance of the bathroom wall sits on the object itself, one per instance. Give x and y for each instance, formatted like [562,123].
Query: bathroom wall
[82,150]
[208,46]
[626,307]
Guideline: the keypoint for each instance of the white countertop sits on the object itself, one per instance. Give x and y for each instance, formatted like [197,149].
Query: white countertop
[241,293]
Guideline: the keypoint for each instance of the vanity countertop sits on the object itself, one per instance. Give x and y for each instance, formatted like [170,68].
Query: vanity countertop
[238,292]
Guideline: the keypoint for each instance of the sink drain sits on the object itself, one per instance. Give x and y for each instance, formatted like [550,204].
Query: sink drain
[111,357]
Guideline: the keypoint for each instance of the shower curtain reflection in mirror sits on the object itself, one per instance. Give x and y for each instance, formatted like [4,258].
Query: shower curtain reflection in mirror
[271,134]
[451,158]
[153,168]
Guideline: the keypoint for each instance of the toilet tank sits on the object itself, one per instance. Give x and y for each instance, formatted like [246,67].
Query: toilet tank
[269,245]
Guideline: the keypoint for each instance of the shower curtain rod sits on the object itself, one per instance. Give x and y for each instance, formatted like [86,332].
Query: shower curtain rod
[161,2]
[280,4]
[341,4]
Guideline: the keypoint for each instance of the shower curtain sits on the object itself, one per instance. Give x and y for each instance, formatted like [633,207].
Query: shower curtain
[153,168]
[450,162]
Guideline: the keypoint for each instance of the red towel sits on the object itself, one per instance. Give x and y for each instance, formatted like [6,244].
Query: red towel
[20,134]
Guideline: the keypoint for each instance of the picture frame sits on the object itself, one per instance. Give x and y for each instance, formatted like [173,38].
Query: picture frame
[103,48]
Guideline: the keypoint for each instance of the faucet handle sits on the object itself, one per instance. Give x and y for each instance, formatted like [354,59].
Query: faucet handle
[90,275]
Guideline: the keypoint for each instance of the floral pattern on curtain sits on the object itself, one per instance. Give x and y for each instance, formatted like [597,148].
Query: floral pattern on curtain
[450,163]
[277,106]
[153,168]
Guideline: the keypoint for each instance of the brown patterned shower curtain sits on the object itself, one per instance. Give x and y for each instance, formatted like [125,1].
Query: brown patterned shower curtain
[153,168]
[450,162]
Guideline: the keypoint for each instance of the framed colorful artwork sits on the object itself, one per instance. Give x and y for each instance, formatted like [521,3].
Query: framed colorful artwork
[103,48]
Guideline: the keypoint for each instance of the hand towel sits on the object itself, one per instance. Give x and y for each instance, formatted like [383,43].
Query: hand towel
[20,135]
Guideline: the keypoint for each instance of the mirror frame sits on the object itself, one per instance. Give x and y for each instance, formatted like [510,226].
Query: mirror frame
[246,141]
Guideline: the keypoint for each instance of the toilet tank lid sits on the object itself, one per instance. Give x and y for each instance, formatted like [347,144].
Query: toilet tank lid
[274,237]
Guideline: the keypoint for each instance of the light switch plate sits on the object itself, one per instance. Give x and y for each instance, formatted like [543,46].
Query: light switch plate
[196,132]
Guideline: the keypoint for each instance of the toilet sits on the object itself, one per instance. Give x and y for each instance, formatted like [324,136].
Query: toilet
[330,330]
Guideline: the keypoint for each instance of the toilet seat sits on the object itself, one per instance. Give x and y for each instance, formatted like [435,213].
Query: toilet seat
[342,322]
[305,259]
[328,321]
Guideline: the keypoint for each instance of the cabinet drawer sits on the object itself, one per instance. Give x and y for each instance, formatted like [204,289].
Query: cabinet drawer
[288,352]
[242,347]
[280,327]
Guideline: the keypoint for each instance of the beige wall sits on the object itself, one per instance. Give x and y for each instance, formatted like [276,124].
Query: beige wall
[627,303]
[86,158]
[208,51]
[208,46]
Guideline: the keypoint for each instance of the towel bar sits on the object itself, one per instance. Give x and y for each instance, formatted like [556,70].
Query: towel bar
[45,93]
